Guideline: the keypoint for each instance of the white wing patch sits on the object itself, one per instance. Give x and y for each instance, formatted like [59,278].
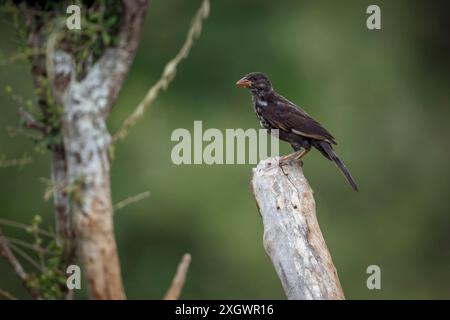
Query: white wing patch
[262,103]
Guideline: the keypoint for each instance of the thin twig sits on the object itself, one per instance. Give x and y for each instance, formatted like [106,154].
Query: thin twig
[52,41]
[21,56]
[178,280]
[27,245]
[30,121]
[7,295]
[15,162]
[168,74]
[57,70]
[130,200]
[6,252]
[24,226]
[26,257]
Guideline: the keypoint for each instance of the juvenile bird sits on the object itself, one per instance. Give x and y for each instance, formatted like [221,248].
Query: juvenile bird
[294,124]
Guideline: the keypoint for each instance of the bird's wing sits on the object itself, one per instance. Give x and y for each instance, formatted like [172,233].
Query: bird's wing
[288,117]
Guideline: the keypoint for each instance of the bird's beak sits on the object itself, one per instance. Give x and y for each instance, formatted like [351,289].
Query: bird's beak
[244,83]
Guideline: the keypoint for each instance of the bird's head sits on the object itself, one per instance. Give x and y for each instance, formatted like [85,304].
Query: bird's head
[256,82]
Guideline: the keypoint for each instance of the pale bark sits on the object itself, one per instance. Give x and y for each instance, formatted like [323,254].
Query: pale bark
[174,292]
[86,141]
[87,103]
[292,236]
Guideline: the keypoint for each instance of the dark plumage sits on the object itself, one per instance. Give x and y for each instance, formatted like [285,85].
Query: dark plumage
[294,124]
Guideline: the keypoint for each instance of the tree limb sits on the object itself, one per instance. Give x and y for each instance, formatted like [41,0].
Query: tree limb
[7,253]
[178,280]
[292,236]
[132,199]
[168,74]
[11,258]
[31,123]
[7,295]
[130,31]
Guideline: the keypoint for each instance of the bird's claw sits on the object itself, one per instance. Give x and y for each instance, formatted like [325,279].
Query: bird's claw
[283,161]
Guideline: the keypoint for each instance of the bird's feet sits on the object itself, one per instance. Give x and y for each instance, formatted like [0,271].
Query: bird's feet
[285,160]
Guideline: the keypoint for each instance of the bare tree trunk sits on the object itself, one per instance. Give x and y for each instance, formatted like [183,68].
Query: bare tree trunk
[87,141]
[81,165]
[87,103]
[292,236]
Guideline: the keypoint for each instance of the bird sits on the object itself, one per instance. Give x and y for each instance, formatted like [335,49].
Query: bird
[294,125]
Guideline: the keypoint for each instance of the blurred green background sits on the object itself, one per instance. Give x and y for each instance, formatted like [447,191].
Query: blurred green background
[383,94]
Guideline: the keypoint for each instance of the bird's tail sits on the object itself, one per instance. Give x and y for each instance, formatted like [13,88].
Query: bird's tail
[327,150]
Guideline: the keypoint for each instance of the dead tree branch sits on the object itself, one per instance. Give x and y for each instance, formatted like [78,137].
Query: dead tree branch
[178,280]
[7,295]
[292,236]
[133,199]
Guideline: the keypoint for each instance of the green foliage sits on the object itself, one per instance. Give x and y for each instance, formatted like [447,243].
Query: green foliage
[72,190]
[100,26]
[20,162]
[51,281]
[16,20]
[44,257]
[51,119]
[111,152]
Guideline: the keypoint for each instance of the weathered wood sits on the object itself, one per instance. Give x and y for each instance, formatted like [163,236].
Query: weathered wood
[292,236]
[179,279]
